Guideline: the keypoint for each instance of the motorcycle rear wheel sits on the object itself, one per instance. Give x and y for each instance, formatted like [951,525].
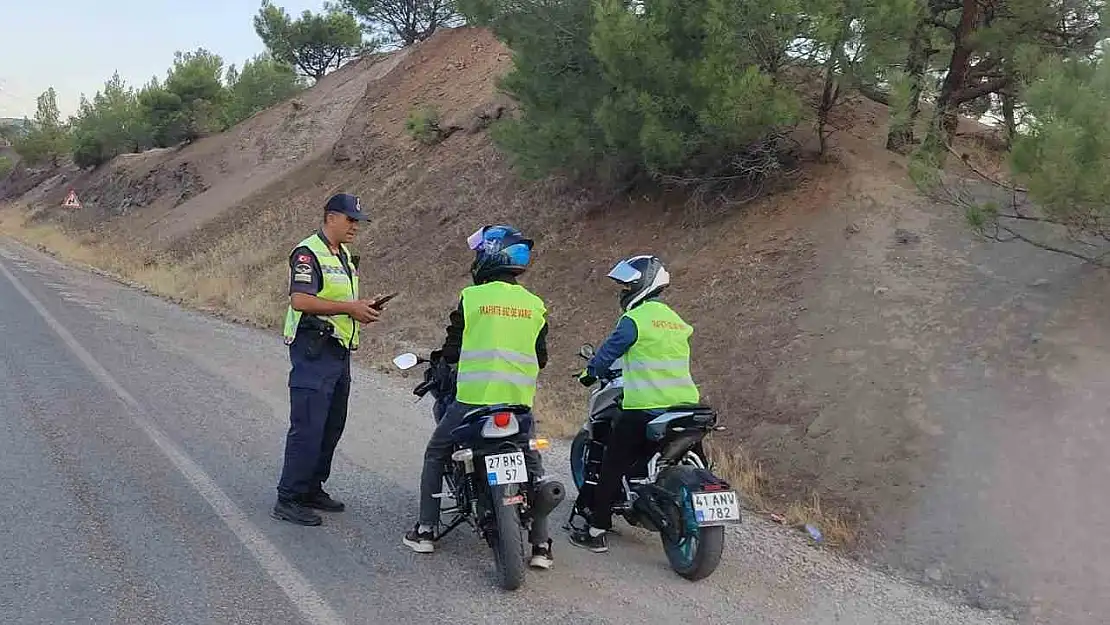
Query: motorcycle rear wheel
[698,553]
[509,546]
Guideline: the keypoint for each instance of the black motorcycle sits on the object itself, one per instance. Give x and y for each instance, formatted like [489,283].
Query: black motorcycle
[673,490]
[500,504]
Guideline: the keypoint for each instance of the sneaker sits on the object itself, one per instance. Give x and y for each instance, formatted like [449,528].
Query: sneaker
[294,512]
[420,542]
[541,556]
[323,501]
[590,539]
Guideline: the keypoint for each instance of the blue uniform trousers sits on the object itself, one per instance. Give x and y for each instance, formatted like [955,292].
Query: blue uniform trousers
[319,385]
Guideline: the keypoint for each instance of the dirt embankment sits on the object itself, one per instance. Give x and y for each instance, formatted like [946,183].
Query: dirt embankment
[836,324]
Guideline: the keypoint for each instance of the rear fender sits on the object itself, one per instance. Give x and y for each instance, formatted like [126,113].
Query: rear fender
[506,494]
[470,431]
[697,478]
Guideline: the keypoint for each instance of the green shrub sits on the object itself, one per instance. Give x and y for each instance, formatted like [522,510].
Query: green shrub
[422,124]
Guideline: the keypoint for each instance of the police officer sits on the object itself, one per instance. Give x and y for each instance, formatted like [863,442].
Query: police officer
[654,342]
[321,329]
[497,335]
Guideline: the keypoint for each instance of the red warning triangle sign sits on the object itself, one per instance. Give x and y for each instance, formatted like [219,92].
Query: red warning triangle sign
[71,200]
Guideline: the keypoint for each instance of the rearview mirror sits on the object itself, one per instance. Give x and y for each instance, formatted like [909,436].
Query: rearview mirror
[407,360]
[587,351]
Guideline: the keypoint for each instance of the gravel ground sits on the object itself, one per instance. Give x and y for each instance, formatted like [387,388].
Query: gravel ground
[146,440]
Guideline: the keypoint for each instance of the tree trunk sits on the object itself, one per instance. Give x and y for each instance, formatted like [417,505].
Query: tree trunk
[830,93]
[1008,100]
[1008,115]
[942,129]
[917,61]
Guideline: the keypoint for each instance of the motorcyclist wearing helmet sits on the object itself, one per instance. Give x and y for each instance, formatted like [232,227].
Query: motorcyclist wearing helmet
[497,338]
[654,344]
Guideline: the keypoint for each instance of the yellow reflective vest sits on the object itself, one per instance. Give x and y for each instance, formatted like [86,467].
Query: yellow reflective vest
[337,286]
[498,362]
[657,366]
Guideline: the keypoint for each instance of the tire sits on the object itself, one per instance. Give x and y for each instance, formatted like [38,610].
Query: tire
[509,547]
[698,555]
[578,459]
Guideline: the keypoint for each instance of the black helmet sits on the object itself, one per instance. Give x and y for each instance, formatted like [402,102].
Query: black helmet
[498,250]
[642,276]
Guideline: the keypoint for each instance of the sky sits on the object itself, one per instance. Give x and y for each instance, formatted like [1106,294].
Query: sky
[75,45]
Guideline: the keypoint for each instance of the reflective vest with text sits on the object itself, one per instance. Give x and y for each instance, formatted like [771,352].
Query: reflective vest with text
[498,363]
[657,365]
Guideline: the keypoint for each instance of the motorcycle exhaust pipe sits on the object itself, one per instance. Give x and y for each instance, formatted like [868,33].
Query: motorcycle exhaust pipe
[547,494]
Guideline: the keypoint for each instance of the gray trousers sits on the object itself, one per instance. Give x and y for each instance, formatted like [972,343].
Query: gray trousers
[438,452]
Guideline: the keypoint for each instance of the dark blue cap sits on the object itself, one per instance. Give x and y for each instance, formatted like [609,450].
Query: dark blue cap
[347,204]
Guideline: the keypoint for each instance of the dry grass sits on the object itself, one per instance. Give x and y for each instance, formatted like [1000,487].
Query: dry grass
[15,222]
[746,475]
[837,530]
[559,411]
[212,281]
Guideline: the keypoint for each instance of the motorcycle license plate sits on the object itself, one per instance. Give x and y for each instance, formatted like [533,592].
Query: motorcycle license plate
[712,508]
[506,469]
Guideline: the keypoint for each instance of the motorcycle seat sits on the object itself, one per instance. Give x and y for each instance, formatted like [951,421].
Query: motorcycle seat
[482,411]
[696,414]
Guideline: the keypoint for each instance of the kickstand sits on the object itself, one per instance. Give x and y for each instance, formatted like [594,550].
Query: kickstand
[569,525]
[457,522]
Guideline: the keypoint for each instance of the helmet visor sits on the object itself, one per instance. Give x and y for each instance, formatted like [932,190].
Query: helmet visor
[519,254]
[474,241]
[624,272]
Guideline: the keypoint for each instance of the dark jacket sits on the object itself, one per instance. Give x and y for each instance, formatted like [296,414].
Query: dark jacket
[452,345]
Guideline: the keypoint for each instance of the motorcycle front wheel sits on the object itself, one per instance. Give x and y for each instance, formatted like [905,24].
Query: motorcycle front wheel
[509,546]
[578,458]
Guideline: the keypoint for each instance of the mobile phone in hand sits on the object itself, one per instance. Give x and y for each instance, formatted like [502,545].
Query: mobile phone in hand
[378,303]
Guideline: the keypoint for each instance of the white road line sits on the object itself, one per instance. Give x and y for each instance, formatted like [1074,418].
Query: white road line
[281,571]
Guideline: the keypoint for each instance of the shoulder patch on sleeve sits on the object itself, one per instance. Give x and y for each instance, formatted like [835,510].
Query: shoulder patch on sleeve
[302,270]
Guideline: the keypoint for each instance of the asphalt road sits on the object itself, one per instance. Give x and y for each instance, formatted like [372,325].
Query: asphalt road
[140,444]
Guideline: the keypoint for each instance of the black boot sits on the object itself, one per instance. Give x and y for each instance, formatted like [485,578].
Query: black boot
[323,501]
[294,512]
